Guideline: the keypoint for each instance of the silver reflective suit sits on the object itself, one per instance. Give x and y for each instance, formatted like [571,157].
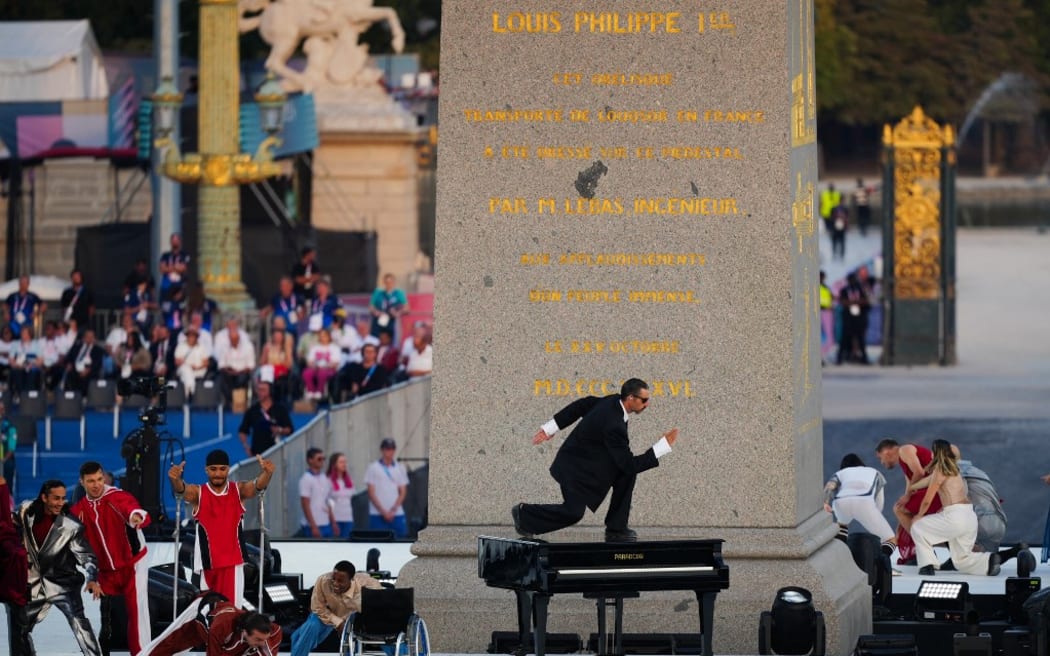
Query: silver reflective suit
[54,579]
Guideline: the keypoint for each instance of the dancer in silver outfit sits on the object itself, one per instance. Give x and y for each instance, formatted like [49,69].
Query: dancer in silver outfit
[56,545]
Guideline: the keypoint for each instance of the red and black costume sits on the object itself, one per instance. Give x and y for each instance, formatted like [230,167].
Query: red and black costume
[212,622]
[123,568]
[905,545]
[219,549]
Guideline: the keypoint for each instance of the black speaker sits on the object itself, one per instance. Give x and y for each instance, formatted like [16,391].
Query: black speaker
[1017,642]
[972,645]
[1018,590]
[886,645]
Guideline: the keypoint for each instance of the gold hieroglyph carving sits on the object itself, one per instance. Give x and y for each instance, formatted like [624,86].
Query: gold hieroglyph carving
[804,223]
[917,143]
[802,212]
[803,84]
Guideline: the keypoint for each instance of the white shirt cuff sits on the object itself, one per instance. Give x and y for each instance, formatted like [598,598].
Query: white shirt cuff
[140,512]
[550,428]
[661,448]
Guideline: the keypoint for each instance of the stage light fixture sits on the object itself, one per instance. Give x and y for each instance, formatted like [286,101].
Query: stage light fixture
[947,601]
[279,593]
[793,626]
[886,645]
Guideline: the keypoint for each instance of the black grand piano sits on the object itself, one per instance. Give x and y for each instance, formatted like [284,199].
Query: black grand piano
[535,571]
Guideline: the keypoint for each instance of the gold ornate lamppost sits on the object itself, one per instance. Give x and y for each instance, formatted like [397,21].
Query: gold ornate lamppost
[219,168]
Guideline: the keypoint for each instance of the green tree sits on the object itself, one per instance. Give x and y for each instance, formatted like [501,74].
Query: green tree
[835,52]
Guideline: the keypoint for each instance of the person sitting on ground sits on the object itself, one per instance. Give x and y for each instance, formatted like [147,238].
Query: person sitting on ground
[218,627]
[955,524]
[855,492]
[335,596]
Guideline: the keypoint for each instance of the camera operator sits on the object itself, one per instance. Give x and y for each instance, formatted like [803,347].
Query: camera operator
[268,421]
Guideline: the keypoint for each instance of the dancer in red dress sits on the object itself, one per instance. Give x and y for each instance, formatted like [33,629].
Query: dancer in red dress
[913,460]
[217,506]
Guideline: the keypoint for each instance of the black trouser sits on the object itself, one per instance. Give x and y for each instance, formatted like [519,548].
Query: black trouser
[838,244]
[547,517]
[23,620]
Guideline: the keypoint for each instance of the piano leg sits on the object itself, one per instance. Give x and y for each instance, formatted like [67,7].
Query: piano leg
[539,605]
[618,627]
[706,601]
[524,621]
[603,636]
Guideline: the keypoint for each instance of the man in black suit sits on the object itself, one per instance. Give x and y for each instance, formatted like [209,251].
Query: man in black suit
[595,457]
[84,362]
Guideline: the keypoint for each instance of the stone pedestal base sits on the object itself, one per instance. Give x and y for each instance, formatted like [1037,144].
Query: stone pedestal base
[365,177]
[461,612]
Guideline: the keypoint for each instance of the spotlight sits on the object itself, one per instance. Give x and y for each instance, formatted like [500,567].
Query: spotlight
[793,626]
[947,602]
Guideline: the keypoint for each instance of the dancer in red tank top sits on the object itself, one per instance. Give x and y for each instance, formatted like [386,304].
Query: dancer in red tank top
[218,509]
[913,460]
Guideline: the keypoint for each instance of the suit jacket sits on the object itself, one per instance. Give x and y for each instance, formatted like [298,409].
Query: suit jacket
[96,353]
[53,565]
[169,356]
[597,451]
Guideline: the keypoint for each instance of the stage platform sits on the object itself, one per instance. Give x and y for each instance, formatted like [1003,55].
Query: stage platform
[53,638]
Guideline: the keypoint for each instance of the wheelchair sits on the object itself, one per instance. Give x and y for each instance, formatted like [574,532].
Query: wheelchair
[386,624]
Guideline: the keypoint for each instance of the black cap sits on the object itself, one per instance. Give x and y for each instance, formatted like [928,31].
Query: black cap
[388,443]
[217,457]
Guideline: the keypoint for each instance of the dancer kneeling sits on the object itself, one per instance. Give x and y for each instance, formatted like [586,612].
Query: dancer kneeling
[956,524]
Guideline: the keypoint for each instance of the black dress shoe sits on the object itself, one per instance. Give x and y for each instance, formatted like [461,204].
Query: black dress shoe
[515,512]
[927,570]
[994,564]
[948,566]
[620,535]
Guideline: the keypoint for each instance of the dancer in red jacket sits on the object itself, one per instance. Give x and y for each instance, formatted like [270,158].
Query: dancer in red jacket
[113,521]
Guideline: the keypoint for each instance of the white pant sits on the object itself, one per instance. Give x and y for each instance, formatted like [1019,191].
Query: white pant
[957,525]
[865,512]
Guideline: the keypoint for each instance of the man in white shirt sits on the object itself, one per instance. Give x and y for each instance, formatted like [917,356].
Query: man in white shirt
[204,337]
[314,488]
[235,354]
[352,341]
[387,483]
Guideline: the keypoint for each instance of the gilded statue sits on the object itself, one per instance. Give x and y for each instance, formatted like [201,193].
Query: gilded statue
[329,31]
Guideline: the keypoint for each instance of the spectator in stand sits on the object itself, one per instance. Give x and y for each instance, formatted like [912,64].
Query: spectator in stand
[84,363]
[338,328]
[8,445]
[285,304]
[306,273]
[78,303]
[235,354]
[198,303]
[355,340]
[387,305]
[324,302]
[205,337]
[162,352]
[267,420]
[342,495]
[22,307]
[139,274]
[322,363]
[139,305]
[387,353]
[71,331]
[861,198]
[173,310]
[7,347]
[115,340]
[133,357]
[26,372]
[307,341]
[53,355]
[314,488]
[173,267]
[365,377]
[191,361]
[277,353]
[417,354]
[387,483]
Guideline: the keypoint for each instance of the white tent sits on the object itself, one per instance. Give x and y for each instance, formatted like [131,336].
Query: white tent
[50,61]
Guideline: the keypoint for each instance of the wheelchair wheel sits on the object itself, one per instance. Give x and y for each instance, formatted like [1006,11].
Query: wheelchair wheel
[349,642]
[417,637]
